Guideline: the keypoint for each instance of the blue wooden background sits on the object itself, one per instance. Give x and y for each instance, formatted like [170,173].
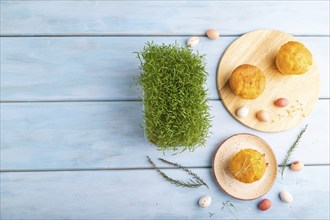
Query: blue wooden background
[71,144]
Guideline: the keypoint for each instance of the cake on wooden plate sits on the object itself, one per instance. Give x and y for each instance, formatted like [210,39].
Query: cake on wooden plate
[248,165]
[293,58]
[247,81]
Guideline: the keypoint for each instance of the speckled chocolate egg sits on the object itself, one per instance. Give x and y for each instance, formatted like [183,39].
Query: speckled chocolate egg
[297,166]
[281,102]
[205,201]
[265,204]
[263,116]
[213,34]
[193,41]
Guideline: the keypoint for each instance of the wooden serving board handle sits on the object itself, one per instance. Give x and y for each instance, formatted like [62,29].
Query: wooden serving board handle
[260,48]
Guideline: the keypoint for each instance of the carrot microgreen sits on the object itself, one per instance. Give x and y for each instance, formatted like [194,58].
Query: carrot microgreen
[176,113]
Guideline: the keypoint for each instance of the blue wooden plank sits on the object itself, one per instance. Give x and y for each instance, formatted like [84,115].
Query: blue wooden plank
[162,17]
[103,68]
[108,135]
[143,194]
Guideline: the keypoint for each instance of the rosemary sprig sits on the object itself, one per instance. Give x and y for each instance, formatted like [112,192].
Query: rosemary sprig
[232,209]
[190,184]
[195,176]
[291,149]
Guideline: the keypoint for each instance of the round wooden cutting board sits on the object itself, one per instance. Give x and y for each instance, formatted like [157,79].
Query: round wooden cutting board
[259,48]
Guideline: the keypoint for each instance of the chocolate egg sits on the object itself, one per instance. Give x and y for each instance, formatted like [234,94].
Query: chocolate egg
[242,112]
[281,102]
[193,41]
[263,116]
[205,201]
[212,34]
[265,204]
[286,197]
[297,166]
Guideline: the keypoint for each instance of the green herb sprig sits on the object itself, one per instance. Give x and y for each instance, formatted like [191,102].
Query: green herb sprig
[232,209]
[191,183]
[291,149]
[176,113]
[195,176]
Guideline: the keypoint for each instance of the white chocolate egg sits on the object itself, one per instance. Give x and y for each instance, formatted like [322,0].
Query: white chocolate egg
[205,201]
[286,197]
[193,41]
[242,112]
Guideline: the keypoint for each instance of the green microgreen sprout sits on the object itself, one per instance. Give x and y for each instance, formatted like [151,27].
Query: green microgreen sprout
[176,113]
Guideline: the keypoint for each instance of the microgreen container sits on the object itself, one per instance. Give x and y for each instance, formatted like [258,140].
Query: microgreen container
[175,109]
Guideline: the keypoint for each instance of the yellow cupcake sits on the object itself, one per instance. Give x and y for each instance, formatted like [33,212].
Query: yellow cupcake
[248,165]
[247,81]
[293,58]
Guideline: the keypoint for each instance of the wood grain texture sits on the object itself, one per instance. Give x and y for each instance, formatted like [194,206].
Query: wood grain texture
[259,48]
[102,68]
[69,64]
[143,194]
[152,17]
[108,135]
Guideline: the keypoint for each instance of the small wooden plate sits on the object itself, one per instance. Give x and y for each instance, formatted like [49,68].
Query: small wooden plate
[227,182]
[260,48]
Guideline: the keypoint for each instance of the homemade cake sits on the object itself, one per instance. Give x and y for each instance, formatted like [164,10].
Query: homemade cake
[293,58]
[248,165]
[247,81]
